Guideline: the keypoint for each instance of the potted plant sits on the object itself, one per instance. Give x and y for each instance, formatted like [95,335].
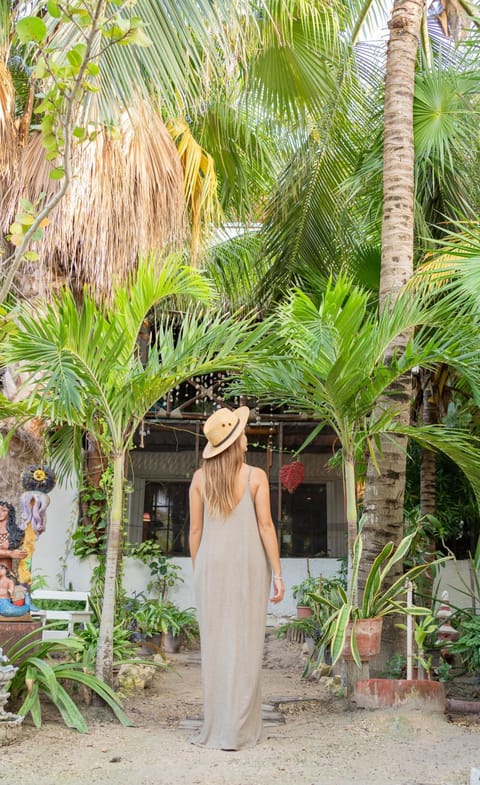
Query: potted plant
[411,687]
[302,594]
[305,592]
[166,620]
[342,630]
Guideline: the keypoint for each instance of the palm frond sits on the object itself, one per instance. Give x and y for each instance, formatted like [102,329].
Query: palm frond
[188,42]
[300,53]
[245,148]
[126,199]
[310,220]
[462,447]
[200,182]
[237,269]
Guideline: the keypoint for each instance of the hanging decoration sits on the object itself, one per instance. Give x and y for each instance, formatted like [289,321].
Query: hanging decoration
[292,475]
[38,478]
[38,481]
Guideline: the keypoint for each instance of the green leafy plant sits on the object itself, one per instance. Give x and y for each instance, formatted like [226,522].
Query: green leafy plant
[378,599]
[301,592]
[90,536]
[45,668]
[306,627]
[124,648]
[164,572]
[443,671]
[424,628]
[312,626]
[154,617]
[468,644]
[395,667]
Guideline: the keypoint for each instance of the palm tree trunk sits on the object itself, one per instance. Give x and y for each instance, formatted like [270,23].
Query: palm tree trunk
[428,476]
[398,148]
[428,466]
[352,518]
[104,661]
[384,494]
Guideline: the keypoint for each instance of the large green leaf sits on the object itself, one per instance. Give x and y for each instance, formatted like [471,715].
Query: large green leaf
[66,671]
[31,705]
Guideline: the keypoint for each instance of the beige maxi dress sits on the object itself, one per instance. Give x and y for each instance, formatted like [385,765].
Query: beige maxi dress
[232,580]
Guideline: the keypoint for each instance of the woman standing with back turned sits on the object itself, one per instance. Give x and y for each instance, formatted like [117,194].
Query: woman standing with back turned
[234,549]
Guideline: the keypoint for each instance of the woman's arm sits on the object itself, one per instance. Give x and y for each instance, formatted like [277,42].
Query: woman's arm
[261,494]
[17,553]
[196,515]
[11,588]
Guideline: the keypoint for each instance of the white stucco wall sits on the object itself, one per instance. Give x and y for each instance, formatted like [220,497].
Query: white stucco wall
[51,549]
[454,577]
[54,561]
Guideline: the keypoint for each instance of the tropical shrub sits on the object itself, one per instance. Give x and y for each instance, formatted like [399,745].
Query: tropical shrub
[378,598]
[154,617]
[44,669]
[468,644]
[165,574]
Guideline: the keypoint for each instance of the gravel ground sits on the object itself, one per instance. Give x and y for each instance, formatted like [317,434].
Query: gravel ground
[314,741]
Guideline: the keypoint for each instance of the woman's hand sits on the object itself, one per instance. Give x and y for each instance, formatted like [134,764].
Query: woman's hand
[278,589]
[18,553]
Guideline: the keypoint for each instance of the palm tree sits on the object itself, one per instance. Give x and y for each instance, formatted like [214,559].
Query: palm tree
[128,190]
[384,500]
[335,222]
[332,361]
[384,490]
[89,376]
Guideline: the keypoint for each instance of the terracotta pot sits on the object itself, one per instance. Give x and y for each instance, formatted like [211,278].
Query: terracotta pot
[368,635]
[400,693]
[303,612]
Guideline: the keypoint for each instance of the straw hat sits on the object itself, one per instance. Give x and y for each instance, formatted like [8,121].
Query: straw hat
[223,428]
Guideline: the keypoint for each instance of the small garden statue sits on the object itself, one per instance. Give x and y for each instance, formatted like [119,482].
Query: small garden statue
[9,723]
[13,596]
[11,536]
[446,634]
[37,481]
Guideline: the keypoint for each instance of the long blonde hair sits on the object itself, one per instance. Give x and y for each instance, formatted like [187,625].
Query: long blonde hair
[220,474]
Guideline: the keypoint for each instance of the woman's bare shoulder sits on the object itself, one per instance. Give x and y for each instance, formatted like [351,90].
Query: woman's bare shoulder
[197,479]
[257,475]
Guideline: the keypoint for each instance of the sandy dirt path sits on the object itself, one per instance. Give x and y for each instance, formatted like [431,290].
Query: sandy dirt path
[319,742]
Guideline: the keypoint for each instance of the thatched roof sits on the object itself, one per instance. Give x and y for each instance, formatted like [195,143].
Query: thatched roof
[8,141]
[126,198]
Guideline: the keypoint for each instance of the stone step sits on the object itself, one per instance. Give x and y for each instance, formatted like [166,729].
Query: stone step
[290,699]
[269,717]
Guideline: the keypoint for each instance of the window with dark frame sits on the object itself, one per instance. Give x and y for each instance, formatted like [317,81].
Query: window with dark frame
[302,529]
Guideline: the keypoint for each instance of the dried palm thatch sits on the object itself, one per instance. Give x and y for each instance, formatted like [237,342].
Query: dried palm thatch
[455,19]
[31,433]
[126,198]
[8,136]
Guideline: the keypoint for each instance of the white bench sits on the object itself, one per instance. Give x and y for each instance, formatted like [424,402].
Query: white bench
[71,617]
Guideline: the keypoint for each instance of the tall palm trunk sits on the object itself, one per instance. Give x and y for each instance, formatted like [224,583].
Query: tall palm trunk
[104,660]
[428,476]
[384,494]
[428,465]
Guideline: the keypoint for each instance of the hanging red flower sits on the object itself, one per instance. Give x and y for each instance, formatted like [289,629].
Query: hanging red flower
[292,475]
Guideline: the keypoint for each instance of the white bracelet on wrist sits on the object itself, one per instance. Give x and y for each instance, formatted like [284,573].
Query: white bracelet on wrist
[277,578]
